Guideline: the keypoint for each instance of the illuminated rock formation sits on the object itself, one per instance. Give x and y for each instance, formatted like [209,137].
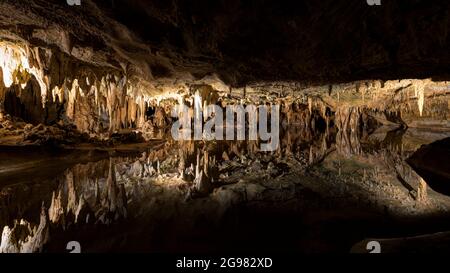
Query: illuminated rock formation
[25,238]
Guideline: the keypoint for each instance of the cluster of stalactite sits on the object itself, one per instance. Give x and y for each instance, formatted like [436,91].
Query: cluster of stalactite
[44,86]
[41,86]
[409,102]
[312,117]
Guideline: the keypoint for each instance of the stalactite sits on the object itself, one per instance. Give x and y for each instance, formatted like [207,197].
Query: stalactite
[15,63]
[310,105]
[420,90]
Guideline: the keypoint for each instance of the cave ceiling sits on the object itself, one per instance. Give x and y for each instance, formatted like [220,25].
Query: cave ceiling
[239,42]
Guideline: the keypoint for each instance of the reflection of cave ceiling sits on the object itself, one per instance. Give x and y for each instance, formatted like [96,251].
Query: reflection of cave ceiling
[240,41]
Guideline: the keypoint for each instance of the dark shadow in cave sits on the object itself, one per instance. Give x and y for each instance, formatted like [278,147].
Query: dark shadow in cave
[26,104]
[150,112]
[431,163]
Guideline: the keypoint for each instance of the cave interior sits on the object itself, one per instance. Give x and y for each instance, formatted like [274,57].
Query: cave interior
[356,99]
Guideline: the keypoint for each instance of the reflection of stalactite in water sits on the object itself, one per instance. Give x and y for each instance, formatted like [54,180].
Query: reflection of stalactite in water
[80,199]
[111,193]
[347,138]
[23,238]
[318,150]
[347,143]
[206,173]
[72,202]
[56,210]
[392,155]
[114,204]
